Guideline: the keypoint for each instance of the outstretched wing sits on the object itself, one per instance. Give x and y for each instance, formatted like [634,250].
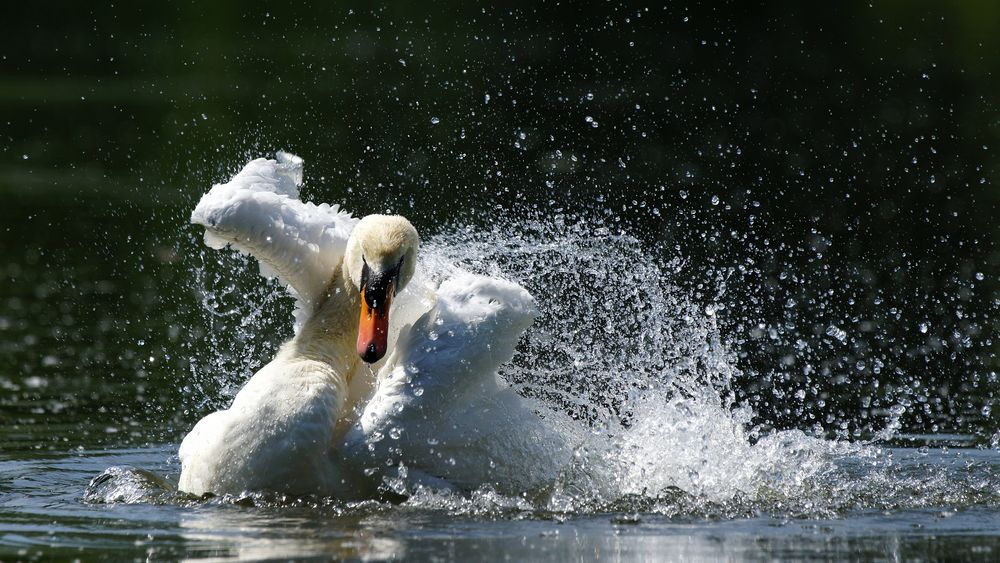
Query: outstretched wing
[258,212]
[441,392]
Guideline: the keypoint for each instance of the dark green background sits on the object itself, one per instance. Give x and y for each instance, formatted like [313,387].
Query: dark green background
[852,149]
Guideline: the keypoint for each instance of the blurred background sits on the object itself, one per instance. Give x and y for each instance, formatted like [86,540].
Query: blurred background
[827,173]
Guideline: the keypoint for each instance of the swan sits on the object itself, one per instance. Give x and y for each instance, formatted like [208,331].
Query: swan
[389,374]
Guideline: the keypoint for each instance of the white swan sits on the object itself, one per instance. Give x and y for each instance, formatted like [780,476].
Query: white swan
[315,420]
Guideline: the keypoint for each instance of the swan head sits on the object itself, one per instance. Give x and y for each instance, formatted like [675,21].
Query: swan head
[379,261]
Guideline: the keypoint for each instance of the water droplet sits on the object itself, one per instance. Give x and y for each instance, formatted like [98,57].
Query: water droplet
[435,121]
[836,332]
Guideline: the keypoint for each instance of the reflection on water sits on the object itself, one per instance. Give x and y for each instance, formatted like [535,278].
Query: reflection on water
[246,535]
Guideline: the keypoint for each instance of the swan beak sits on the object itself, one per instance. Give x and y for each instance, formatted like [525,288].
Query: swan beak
[373,328]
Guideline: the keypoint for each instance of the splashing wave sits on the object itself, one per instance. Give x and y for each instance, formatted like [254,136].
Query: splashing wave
[642,372]
[627,369]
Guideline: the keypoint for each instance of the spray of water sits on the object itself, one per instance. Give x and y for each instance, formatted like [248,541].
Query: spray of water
[244,317]
[629,373]
[634,362]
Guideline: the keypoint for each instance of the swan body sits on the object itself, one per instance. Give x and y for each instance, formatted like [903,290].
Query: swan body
[278,433]
[274,437]
[352,394]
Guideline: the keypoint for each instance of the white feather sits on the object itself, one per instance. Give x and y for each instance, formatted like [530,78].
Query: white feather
[440,405]
[258,212]
[275,437]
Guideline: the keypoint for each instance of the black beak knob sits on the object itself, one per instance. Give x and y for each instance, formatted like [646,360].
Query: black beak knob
[371,354]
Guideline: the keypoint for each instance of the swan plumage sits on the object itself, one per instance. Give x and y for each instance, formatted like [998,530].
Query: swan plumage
[317,420]
[258,212]
[439,399]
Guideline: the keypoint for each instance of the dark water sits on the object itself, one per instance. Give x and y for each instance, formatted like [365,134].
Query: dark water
[825,175]
[43,515]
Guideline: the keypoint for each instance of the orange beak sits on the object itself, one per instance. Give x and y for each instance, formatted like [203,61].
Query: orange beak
[373,328]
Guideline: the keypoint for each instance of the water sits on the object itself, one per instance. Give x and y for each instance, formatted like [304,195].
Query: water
[913,504]
[769,233]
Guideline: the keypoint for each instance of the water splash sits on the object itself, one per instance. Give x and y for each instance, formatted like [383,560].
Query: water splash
[245,319]
[628,371]
[613,328]
[130,485]
[643,373]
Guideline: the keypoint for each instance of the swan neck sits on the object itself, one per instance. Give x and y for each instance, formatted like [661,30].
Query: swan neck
[330,333]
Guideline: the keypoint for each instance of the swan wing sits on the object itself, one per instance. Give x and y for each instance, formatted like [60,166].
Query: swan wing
[440,390]
[259,212]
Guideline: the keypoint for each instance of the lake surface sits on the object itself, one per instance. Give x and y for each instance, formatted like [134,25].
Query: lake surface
[770,233]
[43,514]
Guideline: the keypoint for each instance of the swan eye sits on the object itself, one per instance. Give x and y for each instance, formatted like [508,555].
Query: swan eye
[365,272]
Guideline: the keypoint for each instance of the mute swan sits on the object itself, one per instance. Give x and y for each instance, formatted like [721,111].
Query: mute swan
[315,420]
